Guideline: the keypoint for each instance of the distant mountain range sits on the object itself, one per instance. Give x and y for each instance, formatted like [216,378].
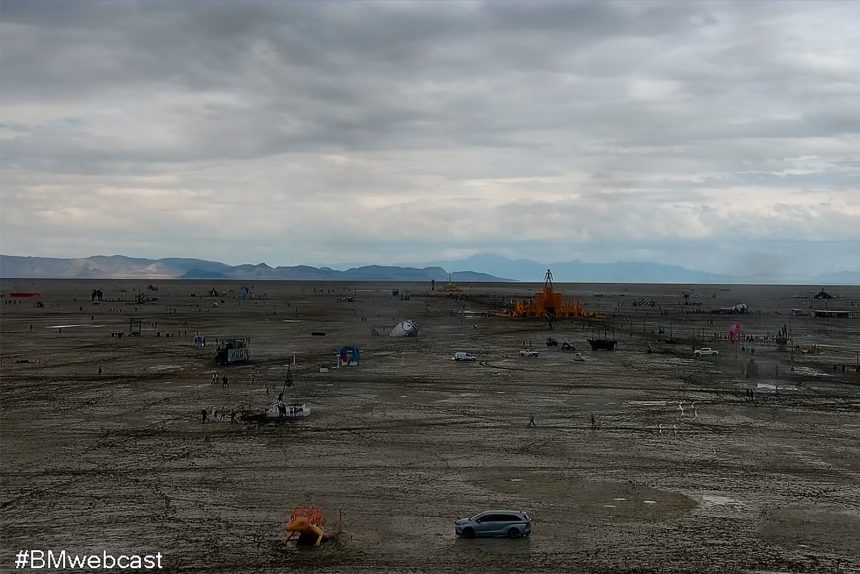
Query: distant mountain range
[580,271]
[478,268]
[630,272]
[121,267]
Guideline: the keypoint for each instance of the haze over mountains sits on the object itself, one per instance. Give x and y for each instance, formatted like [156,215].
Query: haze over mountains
[478,268]
[629,272]
[121,267]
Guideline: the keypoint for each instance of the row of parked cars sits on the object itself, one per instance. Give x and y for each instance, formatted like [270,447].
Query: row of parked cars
[462,356]
[525,352]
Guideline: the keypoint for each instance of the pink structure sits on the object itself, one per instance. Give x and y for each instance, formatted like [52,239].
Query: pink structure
[736,331]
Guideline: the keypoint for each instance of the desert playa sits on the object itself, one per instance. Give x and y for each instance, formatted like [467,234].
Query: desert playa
[637,461]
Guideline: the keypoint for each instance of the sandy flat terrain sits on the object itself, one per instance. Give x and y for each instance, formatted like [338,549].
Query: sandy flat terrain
[410,440]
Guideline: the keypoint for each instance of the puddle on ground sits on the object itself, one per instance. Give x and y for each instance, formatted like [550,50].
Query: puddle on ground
[767,387]
[633,502]
[809,371]
[714,500]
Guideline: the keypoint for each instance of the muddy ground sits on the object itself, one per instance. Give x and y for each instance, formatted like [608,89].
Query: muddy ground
[410,440]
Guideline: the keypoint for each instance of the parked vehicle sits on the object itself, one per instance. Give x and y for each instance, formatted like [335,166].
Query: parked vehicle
[232,351]
[528,353]
[706,352]
[510,523]
[602,344]
[461,356]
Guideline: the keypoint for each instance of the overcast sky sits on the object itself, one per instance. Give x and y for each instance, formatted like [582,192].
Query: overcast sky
[719,136]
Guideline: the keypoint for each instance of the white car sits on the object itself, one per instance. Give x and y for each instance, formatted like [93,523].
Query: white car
[706,352]
[528,353]
[461,356]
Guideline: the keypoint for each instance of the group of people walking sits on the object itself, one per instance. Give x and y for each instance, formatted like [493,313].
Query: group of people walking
[225,382]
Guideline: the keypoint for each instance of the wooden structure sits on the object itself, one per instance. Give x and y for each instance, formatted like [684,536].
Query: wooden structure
[548,304]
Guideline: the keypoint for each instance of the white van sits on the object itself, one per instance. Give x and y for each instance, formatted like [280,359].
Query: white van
[461,356]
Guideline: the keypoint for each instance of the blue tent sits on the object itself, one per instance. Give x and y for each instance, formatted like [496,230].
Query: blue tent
[349,356]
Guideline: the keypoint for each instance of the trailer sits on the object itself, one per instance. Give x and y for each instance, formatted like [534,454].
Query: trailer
[233,351]
[602,344]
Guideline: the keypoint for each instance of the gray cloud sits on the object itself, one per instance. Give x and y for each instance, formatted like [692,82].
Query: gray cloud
[322,132]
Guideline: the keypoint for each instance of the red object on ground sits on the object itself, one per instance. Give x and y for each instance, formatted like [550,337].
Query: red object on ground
[23,293]
[314,514]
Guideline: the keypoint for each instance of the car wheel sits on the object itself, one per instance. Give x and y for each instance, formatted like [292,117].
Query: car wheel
[468,532]
[514,533]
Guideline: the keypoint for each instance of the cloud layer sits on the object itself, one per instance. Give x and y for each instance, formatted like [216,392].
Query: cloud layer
[720,136]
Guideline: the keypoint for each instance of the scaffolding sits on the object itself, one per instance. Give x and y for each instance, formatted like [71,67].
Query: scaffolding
[548,304]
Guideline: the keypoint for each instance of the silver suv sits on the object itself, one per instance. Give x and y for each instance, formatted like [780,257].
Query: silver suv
[510,523]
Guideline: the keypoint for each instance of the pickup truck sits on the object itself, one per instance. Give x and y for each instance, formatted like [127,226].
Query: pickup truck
[528,353]
[706,352]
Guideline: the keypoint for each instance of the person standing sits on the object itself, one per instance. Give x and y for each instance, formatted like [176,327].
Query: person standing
[282,407]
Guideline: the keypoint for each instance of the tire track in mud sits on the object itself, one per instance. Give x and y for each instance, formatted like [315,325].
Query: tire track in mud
[220,505]
[106,440]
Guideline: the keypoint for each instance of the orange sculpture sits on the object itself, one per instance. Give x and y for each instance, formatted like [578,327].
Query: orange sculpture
[450,289]
[306,522]
[548,304]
